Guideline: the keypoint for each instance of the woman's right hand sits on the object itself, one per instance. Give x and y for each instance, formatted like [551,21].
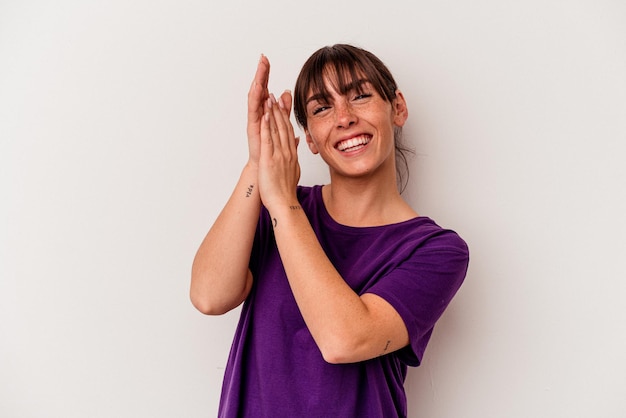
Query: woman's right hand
[257,97]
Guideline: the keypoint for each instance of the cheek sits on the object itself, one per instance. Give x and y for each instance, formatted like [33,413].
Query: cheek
[317,136]
[311,143]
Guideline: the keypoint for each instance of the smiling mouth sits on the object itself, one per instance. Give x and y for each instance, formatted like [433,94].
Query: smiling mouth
[354,144]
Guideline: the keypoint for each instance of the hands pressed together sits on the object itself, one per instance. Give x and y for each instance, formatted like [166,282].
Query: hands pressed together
[271,141]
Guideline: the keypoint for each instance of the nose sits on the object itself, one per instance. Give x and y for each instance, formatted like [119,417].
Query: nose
[344,115]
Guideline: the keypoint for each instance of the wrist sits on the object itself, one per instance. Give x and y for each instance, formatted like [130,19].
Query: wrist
[248,182]
[252,167]
[284,209]
[289,217]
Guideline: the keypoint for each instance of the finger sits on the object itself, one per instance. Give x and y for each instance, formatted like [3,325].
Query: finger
[284,125]
[277,128]
[281,121]
[267,142]
[286,100]
[261,77]
[258,90]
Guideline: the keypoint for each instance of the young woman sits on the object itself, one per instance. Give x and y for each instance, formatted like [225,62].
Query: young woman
[342,284]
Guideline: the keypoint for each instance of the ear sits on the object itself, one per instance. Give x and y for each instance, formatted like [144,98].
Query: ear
[311,143]
[399,109]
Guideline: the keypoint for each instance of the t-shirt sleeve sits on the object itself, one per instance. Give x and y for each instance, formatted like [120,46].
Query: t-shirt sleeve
[421,287]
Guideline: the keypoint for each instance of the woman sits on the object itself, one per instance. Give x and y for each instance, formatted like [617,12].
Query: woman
[342,283]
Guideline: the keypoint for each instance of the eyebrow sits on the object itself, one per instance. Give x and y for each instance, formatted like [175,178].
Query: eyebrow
[316,97]
[354,85]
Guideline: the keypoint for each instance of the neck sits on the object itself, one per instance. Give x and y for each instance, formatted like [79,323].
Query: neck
[366,202]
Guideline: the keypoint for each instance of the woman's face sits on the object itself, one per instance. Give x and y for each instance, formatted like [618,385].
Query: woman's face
[354,131]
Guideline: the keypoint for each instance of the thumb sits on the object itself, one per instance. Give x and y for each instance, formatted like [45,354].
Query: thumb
[286,99]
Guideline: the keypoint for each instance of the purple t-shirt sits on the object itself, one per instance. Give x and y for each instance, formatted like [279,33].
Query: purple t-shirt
[275,369]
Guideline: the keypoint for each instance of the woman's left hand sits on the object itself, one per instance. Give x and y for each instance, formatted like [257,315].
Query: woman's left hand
[279,170]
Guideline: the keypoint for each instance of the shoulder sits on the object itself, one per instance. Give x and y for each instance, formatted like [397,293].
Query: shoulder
[423,244]
[424,233]
[439,237]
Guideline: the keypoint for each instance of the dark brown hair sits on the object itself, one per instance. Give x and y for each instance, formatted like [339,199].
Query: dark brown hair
[348,64]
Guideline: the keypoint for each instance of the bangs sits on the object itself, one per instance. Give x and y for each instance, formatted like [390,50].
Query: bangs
[342,68]
[340,76]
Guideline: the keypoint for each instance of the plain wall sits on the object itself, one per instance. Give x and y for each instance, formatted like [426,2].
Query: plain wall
[122,133]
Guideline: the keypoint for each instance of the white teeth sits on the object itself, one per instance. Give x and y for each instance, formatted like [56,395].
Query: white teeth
[353,142]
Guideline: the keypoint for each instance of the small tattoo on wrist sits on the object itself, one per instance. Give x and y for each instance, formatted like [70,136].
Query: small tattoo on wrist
[296,207]
[249,191]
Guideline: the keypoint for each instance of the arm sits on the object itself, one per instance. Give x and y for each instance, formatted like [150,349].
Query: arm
[346,327]
[220,278]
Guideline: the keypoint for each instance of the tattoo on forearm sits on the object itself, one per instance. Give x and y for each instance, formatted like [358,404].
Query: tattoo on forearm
[292,207]
[386,348]
[249,191]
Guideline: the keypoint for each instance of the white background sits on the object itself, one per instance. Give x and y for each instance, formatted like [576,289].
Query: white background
[122,132]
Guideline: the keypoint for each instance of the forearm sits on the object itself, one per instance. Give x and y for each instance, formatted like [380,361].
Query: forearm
[345,326]
[220,278]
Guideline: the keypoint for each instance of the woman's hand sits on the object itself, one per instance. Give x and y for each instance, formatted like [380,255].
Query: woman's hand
[279,170]
[257,98]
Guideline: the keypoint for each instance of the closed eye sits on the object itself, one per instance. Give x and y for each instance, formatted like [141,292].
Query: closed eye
[319,109]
